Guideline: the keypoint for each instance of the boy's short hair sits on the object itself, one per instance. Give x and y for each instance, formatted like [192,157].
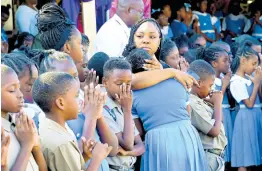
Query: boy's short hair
[97,63]
[202,69]
[115,63]
[49,86]
[137,59]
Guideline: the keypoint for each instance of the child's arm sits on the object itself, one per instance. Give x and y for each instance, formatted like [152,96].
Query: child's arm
[138,149]
[226,82]
[139,127]
[216,99]
[207,38]
[126,138]
[256,80]
[107,136]
[39,158]
[149,78]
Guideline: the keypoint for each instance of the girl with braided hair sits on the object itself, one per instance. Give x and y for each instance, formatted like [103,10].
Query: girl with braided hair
[26,70]
[59,33]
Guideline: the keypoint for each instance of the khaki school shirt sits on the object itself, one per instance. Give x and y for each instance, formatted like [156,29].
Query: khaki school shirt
[60,148]
[115,120]
[14,147]
[203,119]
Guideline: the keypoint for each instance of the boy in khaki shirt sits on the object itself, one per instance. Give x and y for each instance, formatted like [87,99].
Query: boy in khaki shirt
[206,114]
[56,93]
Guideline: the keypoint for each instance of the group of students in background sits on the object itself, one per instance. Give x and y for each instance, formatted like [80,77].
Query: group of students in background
[185,96]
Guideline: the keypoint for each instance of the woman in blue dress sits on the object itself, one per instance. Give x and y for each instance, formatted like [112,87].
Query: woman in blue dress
[246,133]
[172,143]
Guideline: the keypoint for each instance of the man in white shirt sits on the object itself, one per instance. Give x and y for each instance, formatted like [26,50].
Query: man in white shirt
[114,34]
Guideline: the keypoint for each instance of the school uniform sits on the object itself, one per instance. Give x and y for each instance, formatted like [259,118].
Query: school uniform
[257,32]
[227,120]
[202,117]
[217,24]
[206,25]
[246,133]
[60,148]
[115,119]
[14,147]
[171,141]
[178,28]
[77,126]
[235,23]
[167,32]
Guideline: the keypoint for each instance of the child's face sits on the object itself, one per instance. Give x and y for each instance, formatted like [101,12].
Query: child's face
[249,64]
[257,48]
[213,8]
[182,13]
[205,86]
[71,101]
[258,14]
[183,50]
[27,80]
[66,66]
[84,69]
[163,20]
[203,6]
[173,58]
[4,47]
[200,42]
[189,14]
[115,79]
[4,18]
[167,11]
[222,64]
[147,37]
[12,98]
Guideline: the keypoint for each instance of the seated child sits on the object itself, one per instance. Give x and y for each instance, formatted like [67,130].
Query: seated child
[164,117]
[24,151]
[56,93]
[215,20]
[117,112]
[206,115]
[163,22]
[196,41]
[256,27]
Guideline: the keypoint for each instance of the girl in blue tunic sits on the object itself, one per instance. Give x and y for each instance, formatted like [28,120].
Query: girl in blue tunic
[246,133]
[205,23]
[220,60]
[256,28]
[172,143]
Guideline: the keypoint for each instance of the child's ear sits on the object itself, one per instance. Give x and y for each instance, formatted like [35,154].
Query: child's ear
[67,48]
[104,81]
[242,61]
[60,103]
[214,64]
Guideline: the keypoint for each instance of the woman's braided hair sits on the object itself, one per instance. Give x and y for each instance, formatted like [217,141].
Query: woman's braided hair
[131,44]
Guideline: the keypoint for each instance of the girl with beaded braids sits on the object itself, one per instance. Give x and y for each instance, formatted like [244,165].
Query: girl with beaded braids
[146,34]
[26,70]
[244,89]
[59,33]
[219,59]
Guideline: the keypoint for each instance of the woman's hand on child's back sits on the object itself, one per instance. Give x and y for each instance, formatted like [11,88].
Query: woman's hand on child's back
[94,101]
[125,98]
[152,64]
[5,142]
[25,131]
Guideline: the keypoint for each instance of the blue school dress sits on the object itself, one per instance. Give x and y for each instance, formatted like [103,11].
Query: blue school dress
[227,120]
[236,24]
[167,32]
[206,25]
[246,134]
[172,143]
[217,24]
[219,14]
[178,28]
[257,32]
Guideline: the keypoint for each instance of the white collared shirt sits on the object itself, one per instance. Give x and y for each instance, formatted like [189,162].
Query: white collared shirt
[112,37]
[238,88]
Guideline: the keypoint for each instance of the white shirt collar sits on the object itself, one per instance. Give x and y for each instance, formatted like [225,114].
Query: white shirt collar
[244,80]
[218,82]
[235,17]
[200,13]
[122,24]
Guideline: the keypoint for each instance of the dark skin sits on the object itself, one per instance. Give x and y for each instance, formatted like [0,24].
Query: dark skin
[26,132]
[118,86]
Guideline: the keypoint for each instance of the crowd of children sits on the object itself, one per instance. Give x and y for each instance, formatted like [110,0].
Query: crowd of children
[183,96]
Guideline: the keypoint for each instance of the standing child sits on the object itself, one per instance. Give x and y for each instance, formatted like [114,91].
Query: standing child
[205,23]
[256,27]
[163,22]
[218,58]
[24,152]
[56,93]
[235,23]
[245,141]
[206,115]
[217,23]
[166,122]
[117,112]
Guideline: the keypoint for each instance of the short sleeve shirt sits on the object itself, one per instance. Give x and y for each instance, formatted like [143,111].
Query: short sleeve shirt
[115,119]
[60,148]
[203,120]
[238,88]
